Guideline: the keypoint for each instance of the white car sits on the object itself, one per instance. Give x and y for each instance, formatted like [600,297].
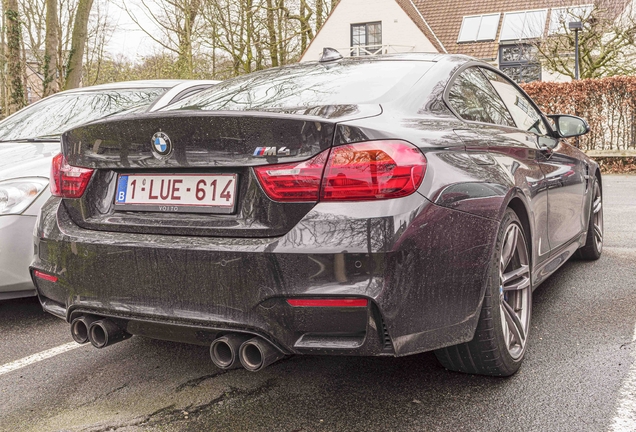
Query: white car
[30,138]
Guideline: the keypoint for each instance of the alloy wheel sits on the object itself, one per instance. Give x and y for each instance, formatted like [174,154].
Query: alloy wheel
[597,217]
[514,290]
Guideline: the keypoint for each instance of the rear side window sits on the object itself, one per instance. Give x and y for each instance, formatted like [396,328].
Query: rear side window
[52,116]
[474,99]
[309,85]
[524,114]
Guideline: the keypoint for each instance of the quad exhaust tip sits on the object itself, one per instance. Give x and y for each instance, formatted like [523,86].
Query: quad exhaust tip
[79,328]
[100,332]
[104,332]
[256,354]
[224,351]
[235,350]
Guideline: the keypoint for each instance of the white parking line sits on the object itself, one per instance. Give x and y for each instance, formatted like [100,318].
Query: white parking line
[625,418]
[43,355]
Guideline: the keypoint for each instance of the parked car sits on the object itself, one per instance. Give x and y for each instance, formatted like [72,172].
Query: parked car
[379,206]
[31,137]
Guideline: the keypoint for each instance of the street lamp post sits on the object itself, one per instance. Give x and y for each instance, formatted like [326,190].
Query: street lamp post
[576,26]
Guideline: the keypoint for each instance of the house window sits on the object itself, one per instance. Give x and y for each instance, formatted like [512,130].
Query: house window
[519,62]
[560,17]
[523,25]
[479,28]
[366,39]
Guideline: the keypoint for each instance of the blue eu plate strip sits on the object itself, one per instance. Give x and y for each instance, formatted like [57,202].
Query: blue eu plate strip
[121,189]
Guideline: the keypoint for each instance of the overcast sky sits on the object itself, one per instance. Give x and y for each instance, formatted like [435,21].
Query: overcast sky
[129,39]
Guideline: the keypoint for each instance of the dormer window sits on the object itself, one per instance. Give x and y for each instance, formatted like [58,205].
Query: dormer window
[523,25]
[478,28]
[560,17]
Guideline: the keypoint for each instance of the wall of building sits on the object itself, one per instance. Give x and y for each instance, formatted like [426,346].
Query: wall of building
[398,30]
[554,76]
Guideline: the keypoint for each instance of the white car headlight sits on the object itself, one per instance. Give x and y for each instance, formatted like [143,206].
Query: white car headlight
[18,194]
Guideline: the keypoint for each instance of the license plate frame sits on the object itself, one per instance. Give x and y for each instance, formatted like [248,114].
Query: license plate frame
[225,183]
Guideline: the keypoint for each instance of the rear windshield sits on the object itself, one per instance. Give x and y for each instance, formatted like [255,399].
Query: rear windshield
[52,116]
[309,85]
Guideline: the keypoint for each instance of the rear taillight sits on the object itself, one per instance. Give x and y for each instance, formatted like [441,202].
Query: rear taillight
[68,181]
[354,172]
[372,170]
[293,182]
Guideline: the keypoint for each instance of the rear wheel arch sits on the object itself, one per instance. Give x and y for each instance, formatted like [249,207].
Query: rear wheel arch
[598,176]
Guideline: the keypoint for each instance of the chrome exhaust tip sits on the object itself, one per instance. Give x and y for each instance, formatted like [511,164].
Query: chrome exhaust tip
[256,354]
[104,332]
[224,351]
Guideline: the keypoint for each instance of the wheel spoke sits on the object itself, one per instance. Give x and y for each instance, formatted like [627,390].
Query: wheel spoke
[510,245]
[514,324]
[517,279]
[598,205]
[598,234]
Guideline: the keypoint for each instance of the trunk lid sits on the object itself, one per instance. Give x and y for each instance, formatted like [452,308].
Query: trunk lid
[203,144]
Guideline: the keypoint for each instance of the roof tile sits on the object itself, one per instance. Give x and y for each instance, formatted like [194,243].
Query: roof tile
[445,19]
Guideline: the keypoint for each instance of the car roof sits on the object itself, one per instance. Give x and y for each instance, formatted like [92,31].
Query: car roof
[165,83]
[415,56]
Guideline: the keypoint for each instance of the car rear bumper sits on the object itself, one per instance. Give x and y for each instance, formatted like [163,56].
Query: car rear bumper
[421,267]
[16,253]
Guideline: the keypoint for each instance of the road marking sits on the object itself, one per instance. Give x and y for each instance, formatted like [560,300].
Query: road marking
[43,355]
[625,418]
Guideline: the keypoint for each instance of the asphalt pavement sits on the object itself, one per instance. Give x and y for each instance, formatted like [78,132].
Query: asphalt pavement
[579,373]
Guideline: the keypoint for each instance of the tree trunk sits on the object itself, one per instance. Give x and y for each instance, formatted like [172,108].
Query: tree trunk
[303,27]
[14,60]
[271,30]
[50,84]
[319,12]
[249,32]
[3,63]
[78,43]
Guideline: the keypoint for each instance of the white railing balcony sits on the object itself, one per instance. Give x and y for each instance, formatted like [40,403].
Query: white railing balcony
[371,50]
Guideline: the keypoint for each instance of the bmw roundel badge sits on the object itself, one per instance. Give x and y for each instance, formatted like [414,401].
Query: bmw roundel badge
[161,146]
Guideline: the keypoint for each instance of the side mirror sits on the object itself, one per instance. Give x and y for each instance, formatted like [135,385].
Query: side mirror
[568,126]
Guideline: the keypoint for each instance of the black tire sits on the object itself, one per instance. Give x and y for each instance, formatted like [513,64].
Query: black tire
[593,246]
[494,350]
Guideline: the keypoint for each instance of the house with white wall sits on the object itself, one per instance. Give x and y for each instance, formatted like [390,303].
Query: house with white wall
[500,32]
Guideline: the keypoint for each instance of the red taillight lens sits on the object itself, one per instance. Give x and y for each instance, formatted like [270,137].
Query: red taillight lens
[355,172]
[45,276]
[68,181]
[331,302]
[373,170]
[293,182]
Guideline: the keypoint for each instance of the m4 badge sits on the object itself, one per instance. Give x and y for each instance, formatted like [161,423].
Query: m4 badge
[271,151]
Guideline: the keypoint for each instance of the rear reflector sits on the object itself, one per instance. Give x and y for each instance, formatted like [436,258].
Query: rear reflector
[363,171]
[68,181]
[340,302]
[38,274]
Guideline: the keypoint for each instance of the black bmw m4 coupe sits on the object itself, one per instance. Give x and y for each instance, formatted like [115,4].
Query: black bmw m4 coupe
[380,206]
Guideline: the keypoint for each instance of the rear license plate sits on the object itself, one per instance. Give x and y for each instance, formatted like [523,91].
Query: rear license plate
[188,193]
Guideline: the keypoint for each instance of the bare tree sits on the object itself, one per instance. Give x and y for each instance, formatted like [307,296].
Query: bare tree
[606,43]
[50,83]
[15,71]
[177,23]
[78,43]
[100,31]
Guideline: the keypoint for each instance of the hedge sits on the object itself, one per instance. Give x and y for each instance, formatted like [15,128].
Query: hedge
[608,104]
